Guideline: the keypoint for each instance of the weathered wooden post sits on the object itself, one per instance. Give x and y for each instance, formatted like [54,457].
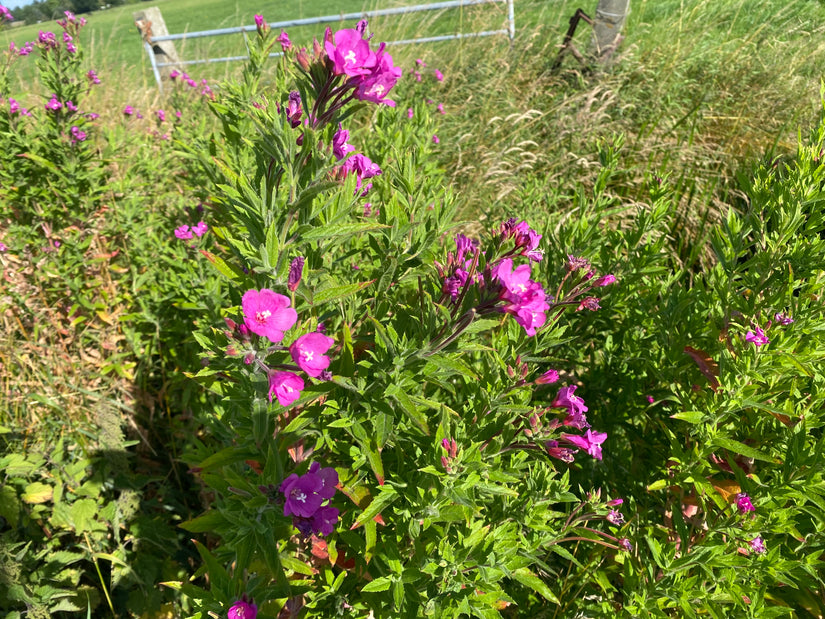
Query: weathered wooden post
[163,55]
[607,28]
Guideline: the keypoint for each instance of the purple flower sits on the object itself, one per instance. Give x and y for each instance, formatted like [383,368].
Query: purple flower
[286,386]
[605,280]
[435,139]
[363,168]
[782,319]
[523,298]
[5,14]
[296,269]
[439,75]
[440,108]
[174,74]
[550,377]
[589,303]
[259,21]
[128,110]
[71,106]
[591,442]
[340,148]
[3,247]
[616,518]
[420,62]
[53,104]
[161,115]
[308,352]
[92,77]
[78,135]
[47,40]
[200,228]
[409,112]
[183,232]
[757,339]
[267,313]
[283,39]
[349,53]
[293,109]
[243,610]
[23,51]
[305,494]
[565,454]
[575,263]
[757,544]
[324,520]
[625,544]
[743,503]
[14,107]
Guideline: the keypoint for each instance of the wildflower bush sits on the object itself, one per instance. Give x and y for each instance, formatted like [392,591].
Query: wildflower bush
[386,412]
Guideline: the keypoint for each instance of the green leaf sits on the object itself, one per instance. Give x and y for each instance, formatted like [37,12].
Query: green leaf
[689,416]
[741,449]
[37,493]
[230,271]
[379,584]
[335,293]
[207,522]
[529,579]
[408,407]
[385,498]
[335,230]
[82,514]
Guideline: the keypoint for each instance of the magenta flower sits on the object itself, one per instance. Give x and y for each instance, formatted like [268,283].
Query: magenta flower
[625,544]
[296,269]
[616,518]
[128,110]
[161,115]
[757,339]
[574,405]
[757,544]
[71,106]
[523,298]
[363,168]
[420,62]
[47,40]
[14,107]
[376,85]
[243,610]
[605,280]
[565,454]
[440,108]
[591,442]
[174,74]
[3,247]
[183,232]
[267,313]
[574,263]
[340,148]
[589,303]
[5,14]
[308,352]
[783,319]
[439,75]
[409,112]
[349,52]
[78,135]
[435,139]
[200,228]
[743,503]
[294,109]
[259,21]
[283,39]
[53,104]
[286,386]
[305,494]
[548,378]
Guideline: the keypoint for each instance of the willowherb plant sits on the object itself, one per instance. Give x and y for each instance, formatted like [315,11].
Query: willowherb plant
[384,442]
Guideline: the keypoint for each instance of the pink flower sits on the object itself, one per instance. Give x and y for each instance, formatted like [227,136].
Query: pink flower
[589,303]
[78,135]
[128,110]
[267,313]
[757,544]
[200,228]
[243,610]
[174,74]
[409,112]
[376,85]
[283,39]
[259,21]
[296,269]
[565,454]
[5,14]
[340,148]
[286,386]
[625,544]
[605,280]
[435,139]
[783,319]
[183,232]
[308,352]
[71,106]
[614,517]
[305,494]
[53,104]
[363,168]
[293,109]
[439,75]
[757,339]
[324,520]
[440,108]
[590,442]
[574,405]
[161,115]
[420,62]
[548,378]
[92,77]
[349,52]
[743,503]
[523,298]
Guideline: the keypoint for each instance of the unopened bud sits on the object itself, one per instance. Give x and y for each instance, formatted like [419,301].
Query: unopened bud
[249,358]
[302,58]
[296,269]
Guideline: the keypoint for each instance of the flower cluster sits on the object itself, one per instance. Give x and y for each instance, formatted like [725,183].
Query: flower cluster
[185,232]
[5,14]
[305,497]
[758,337]
[206,90]
[268,314]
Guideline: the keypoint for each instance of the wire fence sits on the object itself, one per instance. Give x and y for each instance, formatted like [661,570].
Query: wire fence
[150,42]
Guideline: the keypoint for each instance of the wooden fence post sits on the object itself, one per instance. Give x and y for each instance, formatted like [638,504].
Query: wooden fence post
[607,28]
[150,24]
